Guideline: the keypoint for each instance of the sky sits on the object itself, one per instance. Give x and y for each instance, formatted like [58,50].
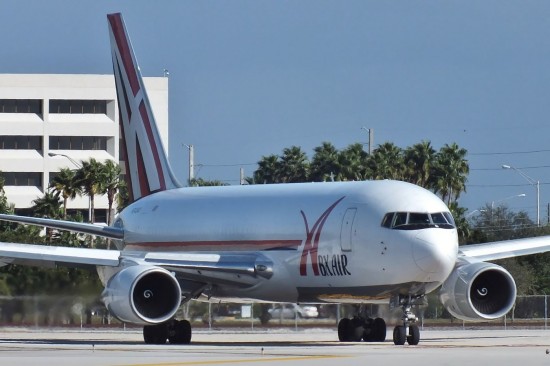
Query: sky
[248,78]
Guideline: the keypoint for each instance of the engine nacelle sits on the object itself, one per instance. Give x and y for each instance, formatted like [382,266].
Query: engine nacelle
[142,294]
[478,291]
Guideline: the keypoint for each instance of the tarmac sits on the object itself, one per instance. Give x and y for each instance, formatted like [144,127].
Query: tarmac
[60,347]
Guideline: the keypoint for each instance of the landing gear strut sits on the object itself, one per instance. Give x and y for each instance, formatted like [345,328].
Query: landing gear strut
[408,332]
[362,327]
[175,331]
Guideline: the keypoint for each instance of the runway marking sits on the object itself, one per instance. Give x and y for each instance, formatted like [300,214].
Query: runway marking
[248,360]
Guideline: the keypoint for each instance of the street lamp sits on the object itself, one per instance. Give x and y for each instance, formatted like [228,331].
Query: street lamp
[78,165]
[504,199]
[536,183]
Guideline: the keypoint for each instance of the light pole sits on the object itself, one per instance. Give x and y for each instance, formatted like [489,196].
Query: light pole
[51,154]
[536,183]
[502,200]
[370,131]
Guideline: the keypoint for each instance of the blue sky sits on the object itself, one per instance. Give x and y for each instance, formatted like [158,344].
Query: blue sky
[249,78]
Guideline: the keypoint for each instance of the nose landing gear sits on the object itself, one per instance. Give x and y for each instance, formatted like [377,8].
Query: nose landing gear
[408,332]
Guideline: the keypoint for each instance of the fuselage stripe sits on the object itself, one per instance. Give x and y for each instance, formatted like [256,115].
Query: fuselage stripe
[265,244]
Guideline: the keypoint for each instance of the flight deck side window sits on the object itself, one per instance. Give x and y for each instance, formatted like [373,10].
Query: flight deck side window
[418,220]
[386,221]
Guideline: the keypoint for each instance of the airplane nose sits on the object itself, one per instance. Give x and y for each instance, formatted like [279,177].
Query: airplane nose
[435,251]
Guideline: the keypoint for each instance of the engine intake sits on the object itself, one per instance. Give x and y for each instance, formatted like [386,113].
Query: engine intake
[478,291]
[142,295]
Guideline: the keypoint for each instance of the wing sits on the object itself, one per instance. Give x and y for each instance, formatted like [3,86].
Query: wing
[234,268]
[51,256]
[80,227]
[506,249]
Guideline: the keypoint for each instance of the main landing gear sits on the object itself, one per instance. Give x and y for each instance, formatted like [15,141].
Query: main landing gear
[175,331]
[361,327]
[408,332]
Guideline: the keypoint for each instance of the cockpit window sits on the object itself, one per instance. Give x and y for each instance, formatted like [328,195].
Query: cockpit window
[418,220]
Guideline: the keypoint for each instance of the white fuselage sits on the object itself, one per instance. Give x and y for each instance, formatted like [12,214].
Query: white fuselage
[326,240]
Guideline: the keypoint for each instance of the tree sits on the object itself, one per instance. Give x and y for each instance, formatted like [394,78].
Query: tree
[268,170]
[109,184]
[325,164]
[65,185]
[199,182]
[294,166]
[386,162]
[353,162]
[418,160]
[49,206]
[451,172]
[89,178]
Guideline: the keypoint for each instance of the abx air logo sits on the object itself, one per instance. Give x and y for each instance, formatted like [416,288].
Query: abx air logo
[324,265]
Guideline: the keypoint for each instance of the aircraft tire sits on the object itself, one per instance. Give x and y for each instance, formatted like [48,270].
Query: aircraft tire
[414,335]
[379,327]
[155,334]
[180,332]
[344,330]
[399,335]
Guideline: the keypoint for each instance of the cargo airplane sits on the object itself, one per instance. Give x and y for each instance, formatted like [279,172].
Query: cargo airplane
[336,242]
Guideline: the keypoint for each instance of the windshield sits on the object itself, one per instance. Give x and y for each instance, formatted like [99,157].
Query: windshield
[418,220]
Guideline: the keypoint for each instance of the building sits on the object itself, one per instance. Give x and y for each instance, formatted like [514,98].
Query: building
[50,122]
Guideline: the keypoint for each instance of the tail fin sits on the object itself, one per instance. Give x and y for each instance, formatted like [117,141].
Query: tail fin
[147,167]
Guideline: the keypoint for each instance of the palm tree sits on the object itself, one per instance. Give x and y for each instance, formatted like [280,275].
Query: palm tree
[353,163]
[451,172]
[386,162]
[49,206]
[89,178]
[65,185]
[419,160]
[268,170]
[324,164]
[294,165]
[110,184]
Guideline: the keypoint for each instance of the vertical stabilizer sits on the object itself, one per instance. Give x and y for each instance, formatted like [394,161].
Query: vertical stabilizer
[147,168]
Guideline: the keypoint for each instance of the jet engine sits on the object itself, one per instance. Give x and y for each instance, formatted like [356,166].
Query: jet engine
[478,291]
[142,294]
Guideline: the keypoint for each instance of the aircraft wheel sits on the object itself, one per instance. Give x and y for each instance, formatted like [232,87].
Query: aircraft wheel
[414,335]
[399,335]
[356,329]
[379,327]
[344,330]
[155,334]
[180,332]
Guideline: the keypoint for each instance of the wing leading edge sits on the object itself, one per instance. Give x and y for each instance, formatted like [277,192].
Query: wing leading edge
[79,227]
[506,249]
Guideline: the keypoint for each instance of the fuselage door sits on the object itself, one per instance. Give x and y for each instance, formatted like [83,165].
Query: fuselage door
[346,234]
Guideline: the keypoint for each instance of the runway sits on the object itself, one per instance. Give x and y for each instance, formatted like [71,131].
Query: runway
[61,347]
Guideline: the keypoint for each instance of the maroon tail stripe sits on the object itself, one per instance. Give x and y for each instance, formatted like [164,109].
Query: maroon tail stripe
[153,144]
[144,188]
[123,46]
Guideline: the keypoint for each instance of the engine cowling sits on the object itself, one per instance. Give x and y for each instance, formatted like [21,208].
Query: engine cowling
[478,291]
[142,295]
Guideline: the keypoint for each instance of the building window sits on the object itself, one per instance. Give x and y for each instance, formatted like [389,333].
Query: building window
[21,142]
[21,106]
[78,143]
[78,106]
[23,179]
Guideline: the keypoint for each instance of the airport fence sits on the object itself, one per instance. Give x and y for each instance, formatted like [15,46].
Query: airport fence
[528,311]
